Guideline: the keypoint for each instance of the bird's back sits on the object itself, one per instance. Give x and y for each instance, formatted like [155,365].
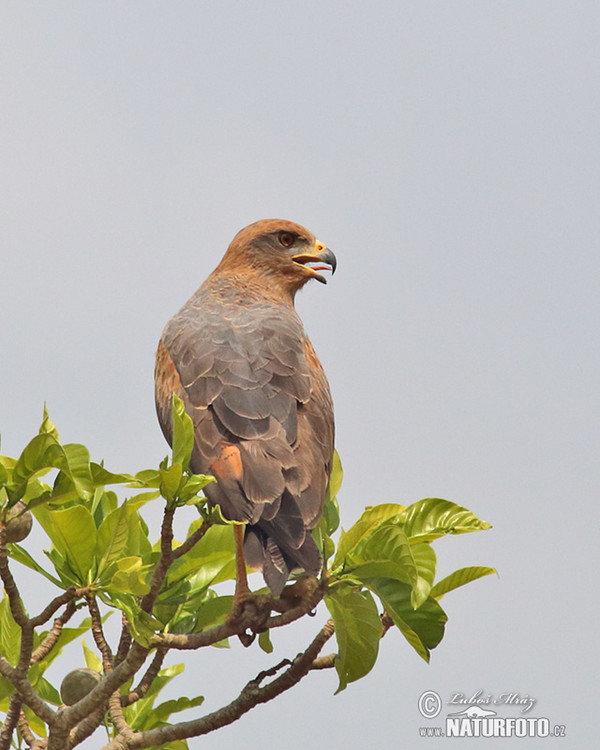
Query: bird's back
[239,358]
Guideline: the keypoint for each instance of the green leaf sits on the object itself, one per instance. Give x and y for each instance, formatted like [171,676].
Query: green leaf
[112,537]
[330,520]
[73,534]
[102,477]
[10,634]
[142,715]
[460,578]
[18,553]
[213,612]
[129,578]
[212,559]
[372,517]
[188,493]
[46,691]
[92,661]
[138,543]
[8,463]
[425,561]
[432,518]
[336,476]
[142,624]
[47,425]
[6,690]
[164,710]
[423,628]
[42,453]
[170,479]
[383,553]
[35,724]
[183,433]
[78,469]
[139,500]
[358,631]
[264,641]
[214,515]
[103,504]
[147,478]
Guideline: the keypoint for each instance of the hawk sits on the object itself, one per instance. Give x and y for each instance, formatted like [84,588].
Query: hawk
[239,358]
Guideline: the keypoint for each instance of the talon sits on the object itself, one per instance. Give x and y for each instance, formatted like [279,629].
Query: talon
[250,610]
[247,639]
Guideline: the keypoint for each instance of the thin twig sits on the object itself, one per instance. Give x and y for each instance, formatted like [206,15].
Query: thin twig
[114,701]
[29,737]
[146,682]
[124,641]
[56,603]
[51,639]
[192,540]
[324,662]
[14,598]
[166,557]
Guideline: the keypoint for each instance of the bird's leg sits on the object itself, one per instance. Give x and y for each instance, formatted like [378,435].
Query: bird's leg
[251,609]
[242,590]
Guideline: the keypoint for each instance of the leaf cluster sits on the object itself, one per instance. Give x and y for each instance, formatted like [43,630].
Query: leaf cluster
[383,573]
[101,553]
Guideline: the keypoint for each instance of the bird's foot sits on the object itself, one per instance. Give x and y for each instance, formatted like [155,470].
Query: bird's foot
[250,611]
[300,592]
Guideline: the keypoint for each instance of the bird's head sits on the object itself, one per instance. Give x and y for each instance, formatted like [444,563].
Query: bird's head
[279,253]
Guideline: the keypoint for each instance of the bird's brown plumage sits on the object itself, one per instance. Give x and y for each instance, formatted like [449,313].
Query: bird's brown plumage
[238,356]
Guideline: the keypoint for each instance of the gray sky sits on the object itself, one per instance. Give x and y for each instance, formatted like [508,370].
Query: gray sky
[448,153]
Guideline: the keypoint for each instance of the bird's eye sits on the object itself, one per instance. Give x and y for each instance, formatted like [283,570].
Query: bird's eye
[287,239]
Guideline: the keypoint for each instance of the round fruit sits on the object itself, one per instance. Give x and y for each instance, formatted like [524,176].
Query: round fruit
[18,528]
[77,684]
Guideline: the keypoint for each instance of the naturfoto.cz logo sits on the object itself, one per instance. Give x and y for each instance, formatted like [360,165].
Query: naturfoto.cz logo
[475,720]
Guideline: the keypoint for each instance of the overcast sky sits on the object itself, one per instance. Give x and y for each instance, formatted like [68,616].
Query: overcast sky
[448,153]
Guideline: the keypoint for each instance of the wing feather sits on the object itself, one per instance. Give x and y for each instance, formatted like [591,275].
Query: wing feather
[250,379]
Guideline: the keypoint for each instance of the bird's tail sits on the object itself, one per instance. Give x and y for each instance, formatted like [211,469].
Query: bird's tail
[277,560]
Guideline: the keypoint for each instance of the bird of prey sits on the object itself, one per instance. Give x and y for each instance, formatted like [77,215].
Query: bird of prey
[239,358]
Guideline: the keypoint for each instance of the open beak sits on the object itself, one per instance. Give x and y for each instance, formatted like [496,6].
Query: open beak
[322,259]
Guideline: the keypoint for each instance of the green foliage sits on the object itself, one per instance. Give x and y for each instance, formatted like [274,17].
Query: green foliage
[144,714]
[380,572]
[102,543]
[358,631]
[387,556]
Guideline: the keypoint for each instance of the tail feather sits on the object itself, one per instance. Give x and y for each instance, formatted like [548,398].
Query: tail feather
[276,560]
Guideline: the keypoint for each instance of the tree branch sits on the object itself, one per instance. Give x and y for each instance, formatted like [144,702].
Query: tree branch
[65,598]
[252,695]
[10,722]
[124,641]
[51,639]
[28,735]
[14,598]
[166,557]
[140,691]
[122,672]
[87,727]
[27,693]
[192,540]
[114,701]
[239,626]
